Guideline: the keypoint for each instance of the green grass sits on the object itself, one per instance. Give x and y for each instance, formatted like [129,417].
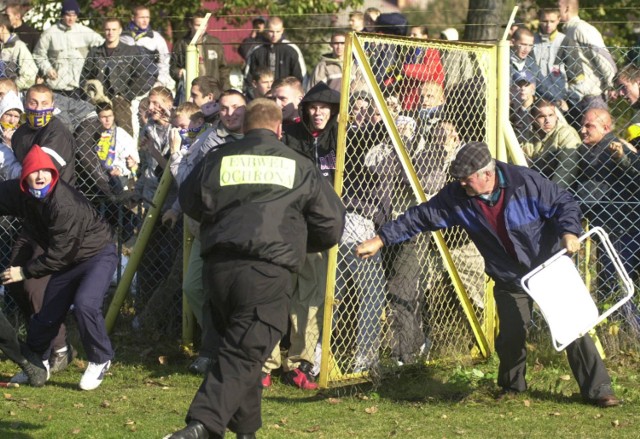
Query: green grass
[148,392]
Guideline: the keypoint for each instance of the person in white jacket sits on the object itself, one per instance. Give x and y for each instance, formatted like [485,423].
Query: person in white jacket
[62,50]
[598,66]
[16,58]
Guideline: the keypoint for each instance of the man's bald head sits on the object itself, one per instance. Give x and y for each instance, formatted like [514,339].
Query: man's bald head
[596,124]
[568,9]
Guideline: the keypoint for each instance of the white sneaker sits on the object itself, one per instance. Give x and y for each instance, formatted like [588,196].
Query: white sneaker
[317,358]
[22,378]
[94,375]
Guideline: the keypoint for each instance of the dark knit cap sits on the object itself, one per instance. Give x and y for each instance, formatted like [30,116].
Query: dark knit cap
[470,159]
[70,6]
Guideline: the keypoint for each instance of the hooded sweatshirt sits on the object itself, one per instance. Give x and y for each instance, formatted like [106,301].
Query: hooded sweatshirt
[36,160]
[319,146]
[63,222]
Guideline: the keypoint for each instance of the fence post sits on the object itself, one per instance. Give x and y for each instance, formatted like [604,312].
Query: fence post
[191,72]
[138,249]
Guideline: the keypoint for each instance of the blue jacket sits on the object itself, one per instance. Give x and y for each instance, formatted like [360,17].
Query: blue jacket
[537,211]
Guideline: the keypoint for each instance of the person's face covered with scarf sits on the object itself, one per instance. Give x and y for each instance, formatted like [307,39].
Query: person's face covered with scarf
[39,107]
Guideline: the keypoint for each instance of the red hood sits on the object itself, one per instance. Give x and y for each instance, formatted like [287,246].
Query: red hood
[35,160]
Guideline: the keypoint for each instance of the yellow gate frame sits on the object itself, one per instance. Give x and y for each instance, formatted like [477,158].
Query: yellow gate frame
[484,334]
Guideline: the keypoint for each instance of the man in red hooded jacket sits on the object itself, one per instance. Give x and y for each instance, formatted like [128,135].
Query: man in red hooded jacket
[79,254]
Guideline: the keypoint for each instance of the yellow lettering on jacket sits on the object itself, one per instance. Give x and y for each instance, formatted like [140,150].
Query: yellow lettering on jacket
[257,169]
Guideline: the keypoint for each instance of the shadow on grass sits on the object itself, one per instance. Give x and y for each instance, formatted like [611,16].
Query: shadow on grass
[415,383]
[420,383]
[15,430]
[549,396]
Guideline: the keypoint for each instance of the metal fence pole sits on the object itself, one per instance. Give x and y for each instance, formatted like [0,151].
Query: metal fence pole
[191,72]
[138,249]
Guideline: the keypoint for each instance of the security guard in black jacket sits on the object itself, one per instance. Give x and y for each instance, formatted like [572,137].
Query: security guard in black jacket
[262,207]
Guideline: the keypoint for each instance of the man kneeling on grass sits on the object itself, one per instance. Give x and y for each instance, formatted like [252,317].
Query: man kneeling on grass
[517,219]
[79,253]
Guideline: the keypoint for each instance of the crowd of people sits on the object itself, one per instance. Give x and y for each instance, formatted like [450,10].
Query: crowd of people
[89,118]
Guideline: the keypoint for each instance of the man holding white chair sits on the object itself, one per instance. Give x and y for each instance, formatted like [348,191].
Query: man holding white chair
[517,219]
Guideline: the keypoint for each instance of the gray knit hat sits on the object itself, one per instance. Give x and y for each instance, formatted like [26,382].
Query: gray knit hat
[470,158]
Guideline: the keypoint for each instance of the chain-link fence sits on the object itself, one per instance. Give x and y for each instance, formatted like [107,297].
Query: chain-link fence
[415,101]
[101,114]
[410,104]
[585,144]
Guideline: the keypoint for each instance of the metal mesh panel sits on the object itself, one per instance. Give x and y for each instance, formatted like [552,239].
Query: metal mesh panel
[122,81]
[605,186]
[401,306]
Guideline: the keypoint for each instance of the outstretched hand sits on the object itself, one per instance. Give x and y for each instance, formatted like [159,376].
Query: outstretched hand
[369,247]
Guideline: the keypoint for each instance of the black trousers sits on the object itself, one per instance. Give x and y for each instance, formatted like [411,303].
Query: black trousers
[29,294]
[406,300]
[9,340]
[514,310]
[249,305]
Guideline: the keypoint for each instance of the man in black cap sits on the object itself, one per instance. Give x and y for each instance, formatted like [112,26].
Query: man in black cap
[517,219]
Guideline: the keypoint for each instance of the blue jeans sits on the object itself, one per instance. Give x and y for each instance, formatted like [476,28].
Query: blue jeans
[365,279]
[84,286]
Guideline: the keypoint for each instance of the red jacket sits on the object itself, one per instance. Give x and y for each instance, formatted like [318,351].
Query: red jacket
[423,65]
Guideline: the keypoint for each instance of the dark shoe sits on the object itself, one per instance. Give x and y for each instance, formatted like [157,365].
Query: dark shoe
[245,436]
[195,430]
[301,377]
[200,366]
[266,380]
[606,401]
[58,361]
[33,367]
[506,395]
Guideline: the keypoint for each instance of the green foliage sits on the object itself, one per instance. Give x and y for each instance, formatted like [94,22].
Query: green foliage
[166,14]
[238,10]
[439,15]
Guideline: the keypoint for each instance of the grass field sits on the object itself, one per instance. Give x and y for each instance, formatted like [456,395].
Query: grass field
[147,394]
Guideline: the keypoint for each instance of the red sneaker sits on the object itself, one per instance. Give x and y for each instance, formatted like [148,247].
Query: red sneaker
[266,379]
[301,377]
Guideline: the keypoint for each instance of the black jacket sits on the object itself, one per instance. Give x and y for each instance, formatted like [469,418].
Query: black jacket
[322,148]
[124,73]
[211,55]
[28,34]
[54,136]
[286,59]
[256,198]
[64,224]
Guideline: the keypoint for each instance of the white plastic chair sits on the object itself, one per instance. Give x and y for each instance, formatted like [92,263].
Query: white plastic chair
[560,292]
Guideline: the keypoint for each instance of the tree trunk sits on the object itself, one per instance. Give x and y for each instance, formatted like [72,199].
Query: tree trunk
[484,20]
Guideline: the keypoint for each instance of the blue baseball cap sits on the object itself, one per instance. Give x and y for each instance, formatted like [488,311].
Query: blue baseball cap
[524,76]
